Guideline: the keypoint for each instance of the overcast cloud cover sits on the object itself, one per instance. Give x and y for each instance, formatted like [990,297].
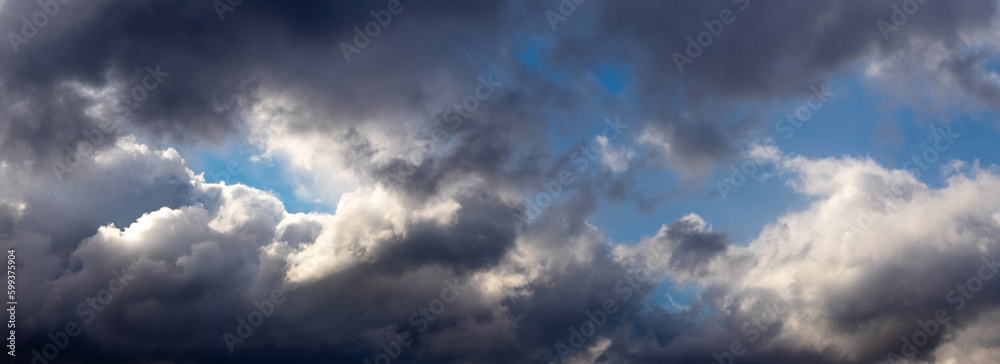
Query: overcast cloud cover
[584,181]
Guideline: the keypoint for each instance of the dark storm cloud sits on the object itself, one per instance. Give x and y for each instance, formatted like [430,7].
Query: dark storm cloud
[774,48]
[973,78]
[770,50]
[477,241]
[217,68]
[694,247]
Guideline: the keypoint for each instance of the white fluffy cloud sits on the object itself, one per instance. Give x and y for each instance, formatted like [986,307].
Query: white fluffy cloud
[365,219]
[875,251]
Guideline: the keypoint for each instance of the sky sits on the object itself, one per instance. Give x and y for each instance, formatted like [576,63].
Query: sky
[574,181]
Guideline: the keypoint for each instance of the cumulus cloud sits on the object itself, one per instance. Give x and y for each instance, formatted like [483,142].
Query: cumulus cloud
[848,264]
[835,267]
[432,137]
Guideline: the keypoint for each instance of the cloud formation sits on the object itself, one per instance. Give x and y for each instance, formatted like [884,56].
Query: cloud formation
[426,140]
